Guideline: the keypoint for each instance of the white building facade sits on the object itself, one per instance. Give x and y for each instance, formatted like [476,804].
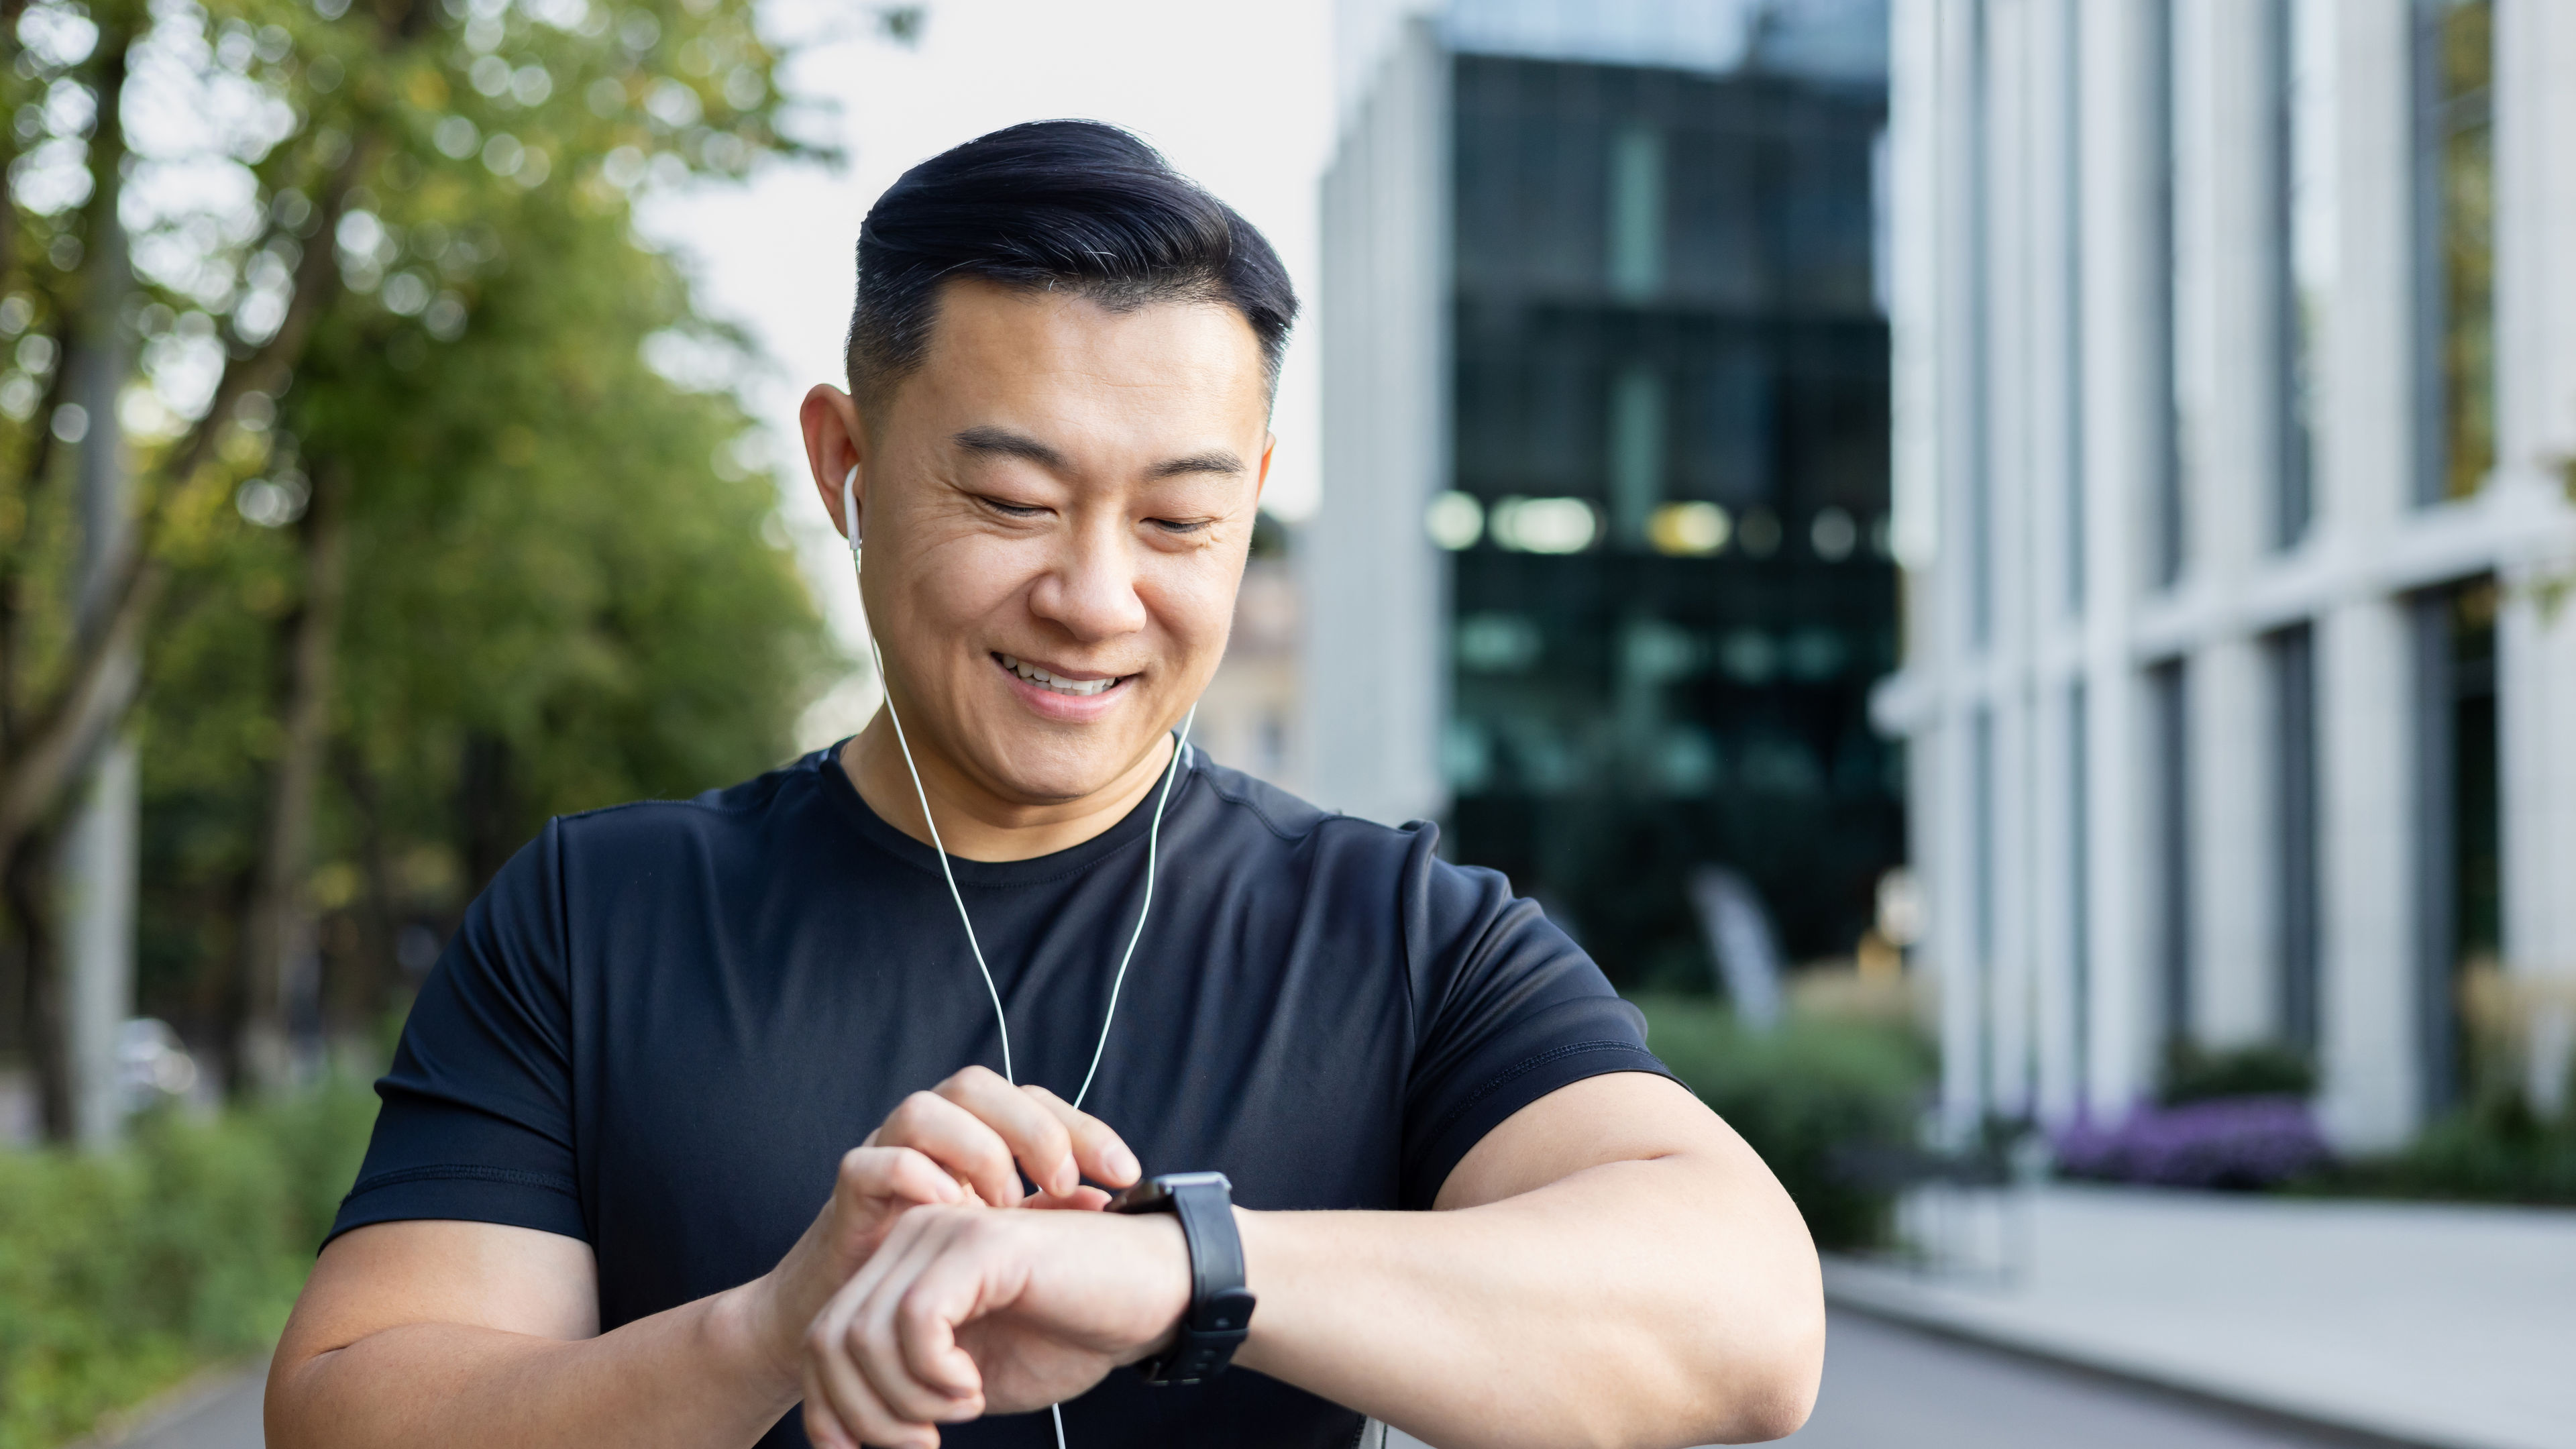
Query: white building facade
[2235,388]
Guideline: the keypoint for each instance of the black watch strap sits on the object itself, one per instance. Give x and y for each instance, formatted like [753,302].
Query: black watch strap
[1220,1310]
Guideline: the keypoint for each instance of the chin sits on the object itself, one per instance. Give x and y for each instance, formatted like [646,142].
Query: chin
[1045,770]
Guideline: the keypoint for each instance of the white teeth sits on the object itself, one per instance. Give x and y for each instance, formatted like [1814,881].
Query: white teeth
[1079,688]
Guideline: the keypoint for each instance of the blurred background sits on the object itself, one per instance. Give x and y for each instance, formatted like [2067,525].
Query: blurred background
[2003,565]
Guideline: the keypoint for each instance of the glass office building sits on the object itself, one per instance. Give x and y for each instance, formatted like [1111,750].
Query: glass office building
[1634,479]
[2235,357]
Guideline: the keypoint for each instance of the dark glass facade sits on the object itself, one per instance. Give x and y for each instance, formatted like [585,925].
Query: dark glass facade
[1665,309]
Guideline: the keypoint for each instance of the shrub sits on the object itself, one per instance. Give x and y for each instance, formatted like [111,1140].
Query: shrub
[121,1272]
[1808,1095]
[2497,1150]
[2197,1074]
[2229,1142]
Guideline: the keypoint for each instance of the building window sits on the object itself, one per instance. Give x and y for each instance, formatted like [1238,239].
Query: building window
[1636,250]
[2079,886]
[1636,451]
[2457,829]
[2167,522]
[2309,208]
[2169,707]
[2070,234]
[1983,906]
[2455,69]
[2291,658]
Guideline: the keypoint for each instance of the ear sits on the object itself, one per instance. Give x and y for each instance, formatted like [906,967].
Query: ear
[1261,479]
[835,442]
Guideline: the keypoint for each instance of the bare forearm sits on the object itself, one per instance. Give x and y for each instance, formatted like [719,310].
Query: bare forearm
[1636,1303]
[691,1376]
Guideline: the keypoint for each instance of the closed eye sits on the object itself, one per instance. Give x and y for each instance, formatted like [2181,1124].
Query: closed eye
[1009,509]
[1182,525]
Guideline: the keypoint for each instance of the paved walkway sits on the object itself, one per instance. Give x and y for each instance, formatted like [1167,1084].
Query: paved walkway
[1886,1387]
[217,1412]
[1890,1387]
[2434,1325]
[2441,1326]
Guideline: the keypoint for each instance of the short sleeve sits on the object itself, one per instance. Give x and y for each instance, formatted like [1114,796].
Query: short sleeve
[477,1115]
[1507,1010]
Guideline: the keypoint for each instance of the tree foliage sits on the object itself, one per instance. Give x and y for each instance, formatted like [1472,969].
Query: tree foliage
[391,396]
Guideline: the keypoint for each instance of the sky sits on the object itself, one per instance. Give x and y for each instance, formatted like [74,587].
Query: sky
[1237,95]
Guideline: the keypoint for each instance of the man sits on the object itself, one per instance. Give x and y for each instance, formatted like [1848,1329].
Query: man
[669,1031]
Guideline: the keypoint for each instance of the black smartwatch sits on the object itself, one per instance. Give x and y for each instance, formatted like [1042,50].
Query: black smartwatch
[1220,1311]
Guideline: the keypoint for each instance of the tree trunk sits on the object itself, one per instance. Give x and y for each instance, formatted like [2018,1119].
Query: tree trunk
[90,371]
[29,883]
[488,807]
[278,951]
[382,917]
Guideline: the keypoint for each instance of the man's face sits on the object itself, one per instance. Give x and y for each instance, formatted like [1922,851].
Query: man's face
[1056,508]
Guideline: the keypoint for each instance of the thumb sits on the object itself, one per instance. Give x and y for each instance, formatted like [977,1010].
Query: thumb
[874,1178]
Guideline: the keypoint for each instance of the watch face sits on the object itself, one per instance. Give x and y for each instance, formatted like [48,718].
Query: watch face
[1175,1181]
[1155,1193]
[1145,1197]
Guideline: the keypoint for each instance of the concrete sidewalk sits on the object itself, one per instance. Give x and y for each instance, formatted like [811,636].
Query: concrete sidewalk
[2423,1324]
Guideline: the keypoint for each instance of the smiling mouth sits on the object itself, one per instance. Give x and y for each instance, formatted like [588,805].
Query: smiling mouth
[1053,684]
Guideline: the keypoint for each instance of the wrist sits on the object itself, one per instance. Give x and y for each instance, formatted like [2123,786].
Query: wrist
[1215,1305]
[1172,1298]
[746,1334]
[1262,1235]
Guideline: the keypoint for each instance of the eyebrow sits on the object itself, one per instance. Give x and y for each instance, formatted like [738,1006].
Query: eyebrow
[1004,443]
[1216,460]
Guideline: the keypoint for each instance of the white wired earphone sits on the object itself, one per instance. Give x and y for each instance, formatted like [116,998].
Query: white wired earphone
[1153,842]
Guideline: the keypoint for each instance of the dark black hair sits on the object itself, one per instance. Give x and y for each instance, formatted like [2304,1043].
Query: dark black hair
[1065,204]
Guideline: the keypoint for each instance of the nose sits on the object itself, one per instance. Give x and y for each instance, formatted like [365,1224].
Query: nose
[1090,591]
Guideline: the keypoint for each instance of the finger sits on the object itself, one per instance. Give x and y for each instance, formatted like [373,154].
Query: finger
[899,1174]
[1103,1154]
[850,1399]
[822,1426]
[954,1390]
[836,1397]
[948,1291]
[959,1140]
[1038,1138]
[1081,1199]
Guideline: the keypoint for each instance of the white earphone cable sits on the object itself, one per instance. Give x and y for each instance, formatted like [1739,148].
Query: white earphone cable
[946,873]
[1153,847]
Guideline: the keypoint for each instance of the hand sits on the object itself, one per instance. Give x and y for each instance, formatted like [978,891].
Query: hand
[967,1310]
[965,1141]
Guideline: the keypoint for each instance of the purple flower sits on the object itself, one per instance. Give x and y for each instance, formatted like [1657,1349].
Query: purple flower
[2233,1142]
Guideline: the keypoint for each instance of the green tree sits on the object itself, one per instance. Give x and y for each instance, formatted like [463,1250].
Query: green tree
[421,545]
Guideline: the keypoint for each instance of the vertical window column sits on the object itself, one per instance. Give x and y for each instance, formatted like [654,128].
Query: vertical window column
[2291,656]
[1637,452]
[1636,220]
[2458,815]
[2169,708]
[2309,253]
[2166,564]
[2455,207]
[2079,885]
[1983,903]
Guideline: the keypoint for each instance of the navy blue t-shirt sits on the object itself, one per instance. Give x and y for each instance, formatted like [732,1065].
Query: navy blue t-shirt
[664,1023]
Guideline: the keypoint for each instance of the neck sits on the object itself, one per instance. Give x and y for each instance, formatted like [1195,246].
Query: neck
[975,821]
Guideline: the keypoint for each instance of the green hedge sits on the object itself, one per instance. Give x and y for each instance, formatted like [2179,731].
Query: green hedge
[1804,1095]
[122,1272]
[2497,1150]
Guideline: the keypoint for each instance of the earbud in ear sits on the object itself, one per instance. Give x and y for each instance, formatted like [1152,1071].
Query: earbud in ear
[849,506]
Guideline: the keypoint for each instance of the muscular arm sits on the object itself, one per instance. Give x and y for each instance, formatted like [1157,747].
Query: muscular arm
[442,1333]
[425,1335]
[1612,1265]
